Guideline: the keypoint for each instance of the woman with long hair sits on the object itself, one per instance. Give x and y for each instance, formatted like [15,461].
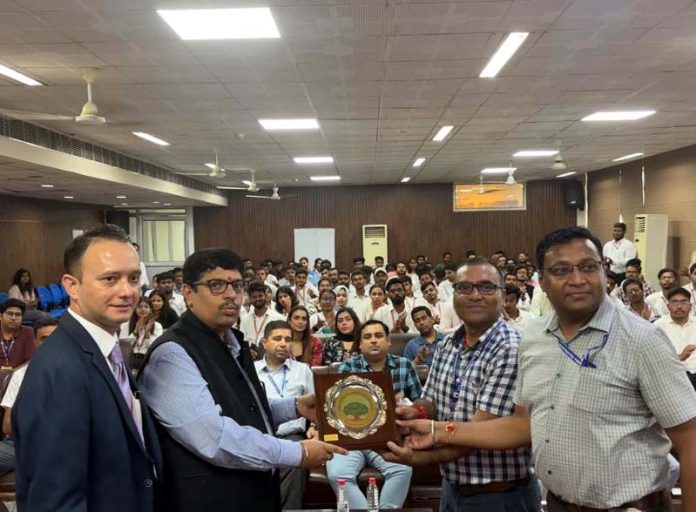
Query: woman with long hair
[285,300]
[23,288]
[305,347]
[162,312]
[340,347]
[322,321]
[141,330]
[378,308]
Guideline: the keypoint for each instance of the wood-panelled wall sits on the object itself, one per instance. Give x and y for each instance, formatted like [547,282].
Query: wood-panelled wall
[420,220]
[35,233]
[670,185]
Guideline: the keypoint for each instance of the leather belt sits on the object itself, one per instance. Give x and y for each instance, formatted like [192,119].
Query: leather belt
[492,487]
[651,500]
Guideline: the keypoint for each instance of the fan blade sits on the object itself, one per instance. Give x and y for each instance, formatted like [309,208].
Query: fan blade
[259,197]
[25,115]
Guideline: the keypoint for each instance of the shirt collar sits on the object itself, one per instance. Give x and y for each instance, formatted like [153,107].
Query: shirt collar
[458,335]
[389,363]
[103,339]
[600,321]
[262,365]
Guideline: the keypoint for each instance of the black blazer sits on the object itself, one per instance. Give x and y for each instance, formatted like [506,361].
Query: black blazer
[76,443]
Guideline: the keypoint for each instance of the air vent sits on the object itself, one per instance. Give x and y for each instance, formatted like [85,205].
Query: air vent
[639,224]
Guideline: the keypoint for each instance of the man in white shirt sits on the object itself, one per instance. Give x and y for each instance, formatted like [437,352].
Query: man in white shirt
[43,328]
[144,281]
[513,315]
[431,299]
[359,298]
[680,328]
[305,291]
[283,377]
[445,290]
[540,303]
[658,300]
[253,324]
[399,320]
[618,251]
[166,286]
[262,276]
[691,287]
[178,280]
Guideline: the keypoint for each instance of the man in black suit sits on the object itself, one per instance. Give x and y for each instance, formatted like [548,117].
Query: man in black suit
[84,439]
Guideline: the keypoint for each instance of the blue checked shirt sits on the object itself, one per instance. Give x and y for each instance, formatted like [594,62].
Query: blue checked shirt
[486,375]
[403,373]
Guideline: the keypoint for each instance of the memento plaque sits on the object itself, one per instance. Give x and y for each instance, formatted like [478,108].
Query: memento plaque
[356,410]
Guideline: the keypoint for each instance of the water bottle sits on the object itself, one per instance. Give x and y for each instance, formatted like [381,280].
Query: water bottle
[342,503]
[372,495]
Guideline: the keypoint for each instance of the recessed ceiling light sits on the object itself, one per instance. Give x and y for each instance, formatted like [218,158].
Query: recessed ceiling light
[498,170]
[406,179]
[418,162]
[202,24]
[627,157]
[619,115]
[124,204]
[565,174]
[166,204]
[121,197]
[532,153]
[46,185]
[155,202]
[151,138]
[503,54]
[210,165]
[313,159]
[442,133]
[289,124]
[68,197]
[325,178]
[19,77]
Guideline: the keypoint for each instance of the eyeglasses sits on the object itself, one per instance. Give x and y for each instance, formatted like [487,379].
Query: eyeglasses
[633,290]
[219,286]
[679,302]
[12,314]
[467,288]
[586,268]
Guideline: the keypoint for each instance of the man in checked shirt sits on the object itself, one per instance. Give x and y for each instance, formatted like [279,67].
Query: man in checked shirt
[472,379]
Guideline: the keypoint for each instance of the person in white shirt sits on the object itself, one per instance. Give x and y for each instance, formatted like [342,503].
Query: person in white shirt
[359,299]
[178,273]
[399,320]
[141,331]
[322,322]
[378,309]
[691,287]
[380,276]
[253,324]
[261,276]
[289,279]
[176,300]
[633,289]
[680,328]
[304,291]
[445,290]
[658,300]
[43,328]
[144,281]
[432,300]
[618,251]
[284,377]
[513,315]
[541,305]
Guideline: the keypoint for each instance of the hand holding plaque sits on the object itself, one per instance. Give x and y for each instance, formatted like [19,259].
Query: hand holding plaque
[356,410]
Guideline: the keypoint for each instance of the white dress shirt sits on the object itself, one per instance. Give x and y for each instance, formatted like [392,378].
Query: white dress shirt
[658,303]
[292,379]
[253,326]
[144,280]
[541,305]
[520,323]
[358,303]
[445,290]
[10,395]
[382,313]
[177,302]
[619,253]
[680,336]
[392,316]
[449,321]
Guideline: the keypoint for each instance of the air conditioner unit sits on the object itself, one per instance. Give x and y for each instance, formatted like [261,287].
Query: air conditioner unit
[374,237]
[651,239]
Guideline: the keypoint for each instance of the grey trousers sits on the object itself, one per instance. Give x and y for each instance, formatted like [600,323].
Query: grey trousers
[292,481]
[7,456]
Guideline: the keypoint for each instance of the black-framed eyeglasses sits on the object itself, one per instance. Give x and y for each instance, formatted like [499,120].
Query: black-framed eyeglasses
[467,288]
[586,268]
[219,286]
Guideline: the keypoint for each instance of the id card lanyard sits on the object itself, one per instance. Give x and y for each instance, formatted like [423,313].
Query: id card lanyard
[585,360]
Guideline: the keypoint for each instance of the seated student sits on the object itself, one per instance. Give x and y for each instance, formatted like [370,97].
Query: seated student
[323,321]
[432,301]
[359,298]
[445,290]
[378,308]
[691,287]
[304,291]
[514,316]
[142,330]
[410,298]
[269,296]
[284,377]
[261,276]
[324,283]
[289,276]
[16,340]
[344,278]
[634,270]
[373,342]
[285,300]
[342,294]
[633,289]
[162,312]
[399,319]
[680,328]
[43,328]
[526,288]
[658,300]
[253,324]
[380,276]
[338,348]
[23,289]
[175,299]
[420,350]
[306,348]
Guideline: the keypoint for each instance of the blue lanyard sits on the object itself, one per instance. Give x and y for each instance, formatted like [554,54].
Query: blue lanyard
[583,362]
[6,351]
[285,381]
[458,380]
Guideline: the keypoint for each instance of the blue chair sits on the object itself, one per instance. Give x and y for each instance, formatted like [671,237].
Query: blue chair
[3,297]
[56,295]
[64,294]
[45,299]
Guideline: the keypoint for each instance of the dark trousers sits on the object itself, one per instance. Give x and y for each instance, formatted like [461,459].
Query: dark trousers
[292,481]
[521,499]
[692,378]
[554,505]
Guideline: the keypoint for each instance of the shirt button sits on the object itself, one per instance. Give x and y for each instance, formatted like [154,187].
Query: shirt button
[550,472]
[553,407]
[147,482]
[558,375]
[252,408]
[546,440]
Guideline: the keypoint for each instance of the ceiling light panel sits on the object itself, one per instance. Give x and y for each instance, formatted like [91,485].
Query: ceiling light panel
[418,162]
[619,115]
[289,124]
[442,133]
[151,138]
[503,54]
[627,157]
[405,179]
[313,159]
[325,178]
[208,24]
[498,170]
[565,174]
[535,153]
[18,77]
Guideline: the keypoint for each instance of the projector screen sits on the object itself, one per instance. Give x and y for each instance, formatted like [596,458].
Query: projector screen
[473,197]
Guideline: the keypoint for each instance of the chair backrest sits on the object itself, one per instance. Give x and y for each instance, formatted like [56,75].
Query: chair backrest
[320,370]
[56,294]
[398,342]
[3,297]
[45,299]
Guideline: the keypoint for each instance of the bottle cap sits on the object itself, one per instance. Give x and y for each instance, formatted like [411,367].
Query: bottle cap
[341,481]
[372,480]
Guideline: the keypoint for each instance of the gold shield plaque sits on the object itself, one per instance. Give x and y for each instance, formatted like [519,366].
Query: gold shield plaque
[356,407]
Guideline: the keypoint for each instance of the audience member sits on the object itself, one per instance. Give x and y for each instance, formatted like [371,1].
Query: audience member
[23,289]
[633,270]
[658,300]
[144,281]
[306,348]
[380,276]
[618,251]
[378,308]
[358,263]
[445,287]
[342,294]
[289,279]
[399,319]
[359,299]
[344,278]
[178,274]
[175,299]
[16,340]
[540,304]
[420,349]
[633,289]
[333,277]
[162,312]
[322,322]
[304,291]
[373,343]
[141,331]
[432,300]
[285,300]
[680,328]
[515,316]
[282,377]
[338,348]
[253,324]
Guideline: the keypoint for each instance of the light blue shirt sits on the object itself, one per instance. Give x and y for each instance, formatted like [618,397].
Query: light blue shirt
[180,399]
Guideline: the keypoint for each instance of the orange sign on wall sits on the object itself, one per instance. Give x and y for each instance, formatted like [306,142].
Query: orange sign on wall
[489,196]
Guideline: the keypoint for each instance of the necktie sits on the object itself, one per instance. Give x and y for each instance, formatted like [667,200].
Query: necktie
[121,374]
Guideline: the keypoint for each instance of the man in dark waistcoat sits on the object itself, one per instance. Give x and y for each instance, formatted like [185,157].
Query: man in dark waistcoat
[216,424]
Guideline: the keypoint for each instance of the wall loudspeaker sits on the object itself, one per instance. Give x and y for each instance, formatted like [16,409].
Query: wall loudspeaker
[573,194]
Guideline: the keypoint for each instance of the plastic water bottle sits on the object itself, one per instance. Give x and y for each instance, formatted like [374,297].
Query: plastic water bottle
[342,503]
[372,495]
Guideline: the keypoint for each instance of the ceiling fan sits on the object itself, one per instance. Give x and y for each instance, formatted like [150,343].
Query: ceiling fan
[215,170]
[483,190]
[559,164]
[275,196]
[88,114]
[511,178]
